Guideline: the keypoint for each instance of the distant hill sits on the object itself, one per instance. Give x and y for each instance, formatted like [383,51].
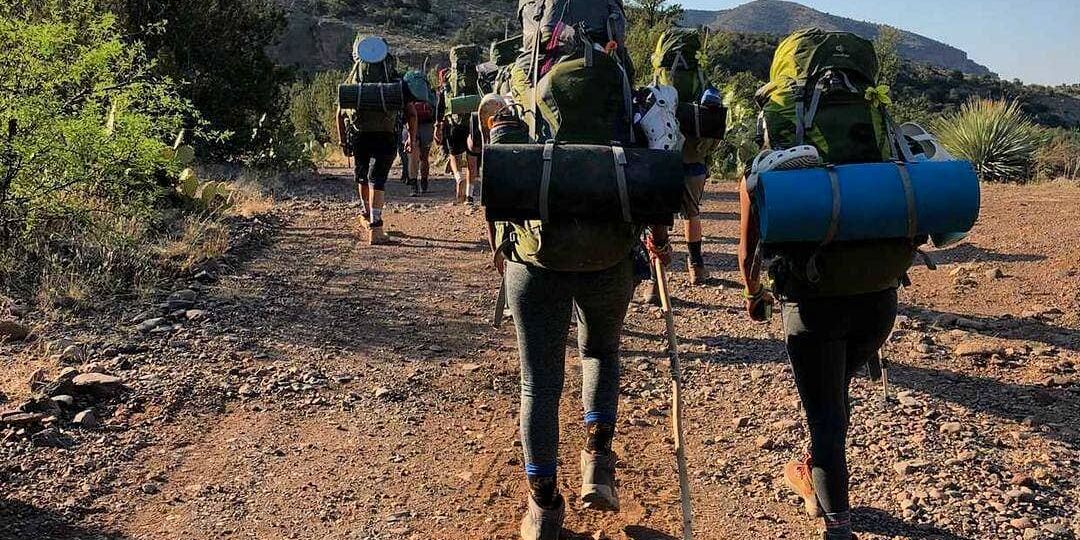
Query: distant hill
[780,17]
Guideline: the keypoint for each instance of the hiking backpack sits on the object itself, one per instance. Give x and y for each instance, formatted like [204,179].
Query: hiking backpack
[463,74]
[823,92]
[573,78]
[374,72]
[676,63]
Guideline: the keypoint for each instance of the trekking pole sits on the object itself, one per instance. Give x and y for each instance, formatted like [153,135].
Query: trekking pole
[676,400]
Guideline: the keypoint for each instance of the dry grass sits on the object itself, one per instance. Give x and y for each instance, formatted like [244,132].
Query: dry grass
[198,239]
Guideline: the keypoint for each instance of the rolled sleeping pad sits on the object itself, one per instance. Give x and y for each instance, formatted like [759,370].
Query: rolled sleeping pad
[584,183]
[385,97]
[872,202]
[464,104]
[702,121]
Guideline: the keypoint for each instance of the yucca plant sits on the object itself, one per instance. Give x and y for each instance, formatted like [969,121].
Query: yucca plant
[996,136]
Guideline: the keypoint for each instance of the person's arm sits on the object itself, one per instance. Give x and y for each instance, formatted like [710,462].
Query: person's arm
[413,127]
[748,241]
[498,257]
[758,300]
[343,133]
[658,244]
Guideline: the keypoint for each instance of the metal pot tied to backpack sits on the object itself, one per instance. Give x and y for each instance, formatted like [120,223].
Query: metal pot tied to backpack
[371,86]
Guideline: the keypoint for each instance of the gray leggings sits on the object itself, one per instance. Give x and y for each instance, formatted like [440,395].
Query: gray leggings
[541,301]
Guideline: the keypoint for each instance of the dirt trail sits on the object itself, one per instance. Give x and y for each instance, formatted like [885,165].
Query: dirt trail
[348,392]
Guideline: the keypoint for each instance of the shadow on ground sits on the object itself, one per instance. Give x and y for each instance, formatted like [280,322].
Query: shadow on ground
[881,523]
[21,521]
[969,253]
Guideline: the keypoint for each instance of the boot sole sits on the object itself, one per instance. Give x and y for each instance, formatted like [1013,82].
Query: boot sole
[599,497]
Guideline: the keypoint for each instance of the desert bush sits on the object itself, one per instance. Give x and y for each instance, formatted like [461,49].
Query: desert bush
[484,30]
[313,113]
[194,240]
[1059,157]
[83,165]
[996,136]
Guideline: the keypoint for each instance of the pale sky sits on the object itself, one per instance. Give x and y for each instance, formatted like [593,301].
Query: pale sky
[1037,41]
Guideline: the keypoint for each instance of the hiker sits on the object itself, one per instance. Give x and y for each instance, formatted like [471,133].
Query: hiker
[460,81]
[424,110]
[582,263]
[838,300]
[675,63]
[371,138]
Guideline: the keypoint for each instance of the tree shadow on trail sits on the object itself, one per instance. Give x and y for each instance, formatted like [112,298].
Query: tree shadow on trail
[881,523]
[1007,327]
[637,532]
[20,521]
[969,253]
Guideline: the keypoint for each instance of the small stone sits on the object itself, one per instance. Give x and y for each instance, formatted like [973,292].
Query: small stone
[786,425]
[196,315]
[64,399]
[13,331]
[764,443]
[37,379]
[150,324]
[382,392]
[951,428]
[1022,480]
[20,419]
[51,438]
[86,419]
[905,468]
[96,380]
[72,354]
[995,273]
[740,422]
[436,349]
[248,390]
[978,348]
[470,368]
[1022,523]
[150,488]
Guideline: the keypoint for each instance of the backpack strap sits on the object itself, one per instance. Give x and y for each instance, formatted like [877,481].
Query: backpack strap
[619,155]
[545,181]
[800,122]
[909,194]
[813,273]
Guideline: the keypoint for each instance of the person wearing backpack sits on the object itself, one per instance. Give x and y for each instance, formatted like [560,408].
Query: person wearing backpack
[371,138]
[424,111]
[676,63]
[573,91]
[838,300]
[460,80]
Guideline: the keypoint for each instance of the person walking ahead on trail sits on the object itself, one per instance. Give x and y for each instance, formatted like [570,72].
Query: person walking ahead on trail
[424,109]
[838,299]
[371,138]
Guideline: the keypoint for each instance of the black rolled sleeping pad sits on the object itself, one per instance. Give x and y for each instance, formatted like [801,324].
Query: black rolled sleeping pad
[584,183]
[375,97]
[702,121]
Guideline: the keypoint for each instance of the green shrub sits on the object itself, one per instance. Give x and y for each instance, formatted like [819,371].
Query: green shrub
[995,136]
[1060,157]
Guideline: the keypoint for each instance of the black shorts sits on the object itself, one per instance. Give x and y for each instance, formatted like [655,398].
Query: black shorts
[457,140]
[377,147]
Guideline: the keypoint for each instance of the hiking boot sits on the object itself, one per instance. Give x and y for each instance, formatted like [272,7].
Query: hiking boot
[378,237]
[598,481]
[797,477]
[698,273]
[542,523]
[825,536]
[651,295]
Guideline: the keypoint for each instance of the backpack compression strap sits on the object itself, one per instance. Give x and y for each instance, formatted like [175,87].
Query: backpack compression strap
[909,194]
[545,181]
[619,155]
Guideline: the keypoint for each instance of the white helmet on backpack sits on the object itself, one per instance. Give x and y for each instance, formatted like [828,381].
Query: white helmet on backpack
[661,123]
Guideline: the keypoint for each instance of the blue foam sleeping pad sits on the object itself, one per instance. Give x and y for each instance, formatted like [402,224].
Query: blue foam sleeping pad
[797,205]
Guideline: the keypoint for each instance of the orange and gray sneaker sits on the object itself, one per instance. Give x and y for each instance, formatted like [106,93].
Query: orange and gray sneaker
[797,477]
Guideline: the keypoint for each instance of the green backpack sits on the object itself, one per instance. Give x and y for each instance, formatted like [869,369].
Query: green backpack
[676,62]
[378,72]
[583,96]
[823,91]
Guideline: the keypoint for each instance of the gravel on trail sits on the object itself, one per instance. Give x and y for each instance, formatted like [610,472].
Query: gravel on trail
[311,387]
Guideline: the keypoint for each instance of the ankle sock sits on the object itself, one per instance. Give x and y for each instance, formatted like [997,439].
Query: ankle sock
[838,526]
[598,437]
[544,490]
[695,253]
[376,216]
